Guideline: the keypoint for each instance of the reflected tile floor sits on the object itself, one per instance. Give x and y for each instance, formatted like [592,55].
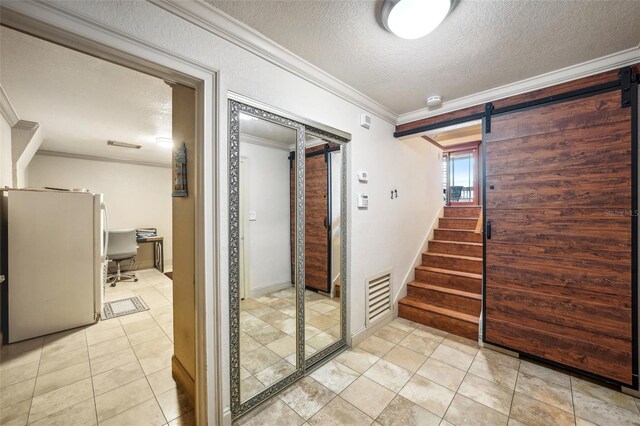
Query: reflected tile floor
[115,372]
[268,331]
[410,374]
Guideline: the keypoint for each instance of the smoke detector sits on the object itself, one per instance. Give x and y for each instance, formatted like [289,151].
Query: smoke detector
[434,101]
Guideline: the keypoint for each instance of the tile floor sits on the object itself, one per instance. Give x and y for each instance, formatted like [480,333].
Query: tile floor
[116,372]
[267,335]
[409,374]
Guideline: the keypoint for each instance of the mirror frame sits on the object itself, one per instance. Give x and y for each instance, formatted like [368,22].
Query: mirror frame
[344,281]
[239,104]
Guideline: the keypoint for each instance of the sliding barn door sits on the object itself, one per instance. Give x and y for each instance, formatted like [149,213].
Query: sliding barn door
[558,278]
[316,210]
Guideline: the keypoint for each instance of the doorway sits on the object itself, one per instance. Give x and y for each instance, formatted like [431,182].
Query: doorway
[461,172]
[462,175]
[461,162]
[199,86]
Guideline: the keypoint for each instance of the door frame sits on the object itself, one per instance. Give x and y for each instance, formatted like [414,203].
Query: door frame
[57,25]
[475,148]
[617,85]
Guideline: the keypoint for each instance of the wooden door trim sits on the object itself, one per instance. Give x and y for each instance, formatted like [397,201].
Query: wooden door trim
[467,146]
[477,112]
[547,101]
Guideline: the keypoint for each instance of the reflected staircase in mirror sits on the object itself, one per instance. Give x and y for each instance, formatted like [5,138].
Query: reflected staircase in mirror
[447,291]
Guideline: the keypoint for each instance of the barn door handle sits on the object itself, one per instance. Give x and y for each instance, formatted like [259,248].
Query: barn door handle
[488,230]
[326,222]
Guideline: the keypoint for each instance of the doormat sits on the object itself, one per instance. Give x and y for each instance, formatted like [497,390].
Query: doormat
[118,308]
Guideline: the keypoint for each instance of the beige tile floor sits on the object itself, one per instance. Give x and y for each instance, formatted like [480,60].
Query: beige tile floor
[116,372]
[267,335]
[409,374]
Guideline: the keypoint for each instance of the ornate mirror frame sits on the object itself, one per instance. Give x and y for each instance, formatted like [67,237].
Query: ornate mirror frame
[240,104]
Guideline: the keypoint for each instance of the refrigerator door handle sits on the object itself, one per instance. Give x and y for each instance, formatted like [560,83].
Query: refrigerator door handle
[103,208]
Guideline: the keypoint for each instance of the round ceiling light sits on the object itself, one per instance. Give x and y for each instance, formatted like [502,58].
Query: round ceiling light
[411,19]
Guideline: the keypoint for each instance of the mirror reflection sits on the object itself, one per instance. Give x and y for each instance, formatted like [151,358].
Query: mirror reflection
[322,245]
[267,287]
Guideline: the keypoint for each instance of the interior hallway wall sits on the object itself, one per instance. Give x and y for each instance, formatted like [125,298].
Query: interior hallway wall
[269,235]
[136,196]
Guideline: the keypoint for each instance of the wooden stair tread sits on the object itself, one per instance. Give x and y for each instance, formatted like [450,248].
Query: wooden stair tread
[457,230]
[453,256]
[447,290]
[438,310]
[449,272]
[457,242]
[462,207]
[461,218]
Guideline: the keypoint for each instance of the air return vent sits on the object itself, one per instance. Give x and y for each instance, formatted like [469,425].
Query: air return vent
[378,298]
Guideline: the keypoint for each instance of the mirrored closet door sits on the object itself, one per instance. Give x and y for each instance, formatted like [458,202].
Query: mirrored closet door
[323,242]
[287,248]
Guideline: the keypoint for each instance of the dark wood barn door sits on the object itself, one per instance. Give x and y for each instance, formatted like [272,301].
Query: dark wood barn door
[558,229]
[316,222]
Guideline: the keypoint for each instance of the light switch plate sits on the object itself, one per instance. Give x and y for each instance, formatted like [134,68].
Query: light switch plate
[252,216]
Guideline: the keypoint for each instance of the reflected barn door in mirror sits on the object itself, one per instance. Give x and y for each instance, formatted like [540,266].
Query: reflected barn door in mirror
[316,204]
[323,313]
[265,328]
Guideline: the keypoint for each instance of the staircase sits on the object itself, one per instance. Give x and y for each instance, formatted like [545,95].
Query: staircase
[447,291]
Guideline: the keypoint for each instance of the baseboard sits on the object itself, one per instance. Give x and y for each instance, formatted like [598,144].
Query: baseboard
[226,417]
[362,334]
[183,379]
[270,289]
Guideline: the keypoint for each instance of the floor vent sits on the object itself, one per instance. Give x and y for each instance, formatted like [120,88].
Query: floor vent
[378,298]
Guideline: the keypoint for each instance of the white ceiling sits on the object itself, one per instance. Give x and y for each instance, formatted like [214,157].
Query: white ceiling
[482,44]
[81,101]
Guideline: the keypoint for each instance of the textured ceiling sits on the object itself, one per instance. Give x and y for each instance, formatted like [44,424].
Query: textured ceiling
[81,101]
[481,45]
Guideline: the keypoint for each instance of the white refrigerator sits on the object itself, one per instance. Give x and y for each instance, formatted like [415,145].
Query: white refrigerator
[56,261]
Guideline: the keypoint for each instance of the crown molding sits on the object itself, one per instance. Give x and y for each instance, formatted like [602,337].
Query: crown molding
[264,142]
[7,110]
[222,25]
[102,159]
[563,75]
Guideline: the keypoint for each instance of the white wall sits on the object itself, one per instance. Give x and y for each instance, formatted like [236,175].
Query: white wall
[269,236]
[386,235]
[136,196]
[6,166]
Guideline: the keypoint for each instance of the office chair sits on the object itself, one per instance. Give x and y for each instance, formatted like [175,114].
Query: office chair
[122,246]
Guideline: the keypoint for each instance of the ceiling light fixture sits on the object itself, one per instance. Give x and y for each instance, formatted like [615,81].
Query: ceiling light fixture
[411,19]
[164,142]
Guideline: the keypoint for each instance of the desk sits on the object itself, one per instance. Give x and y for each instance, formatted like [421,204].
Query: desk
[158,250]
